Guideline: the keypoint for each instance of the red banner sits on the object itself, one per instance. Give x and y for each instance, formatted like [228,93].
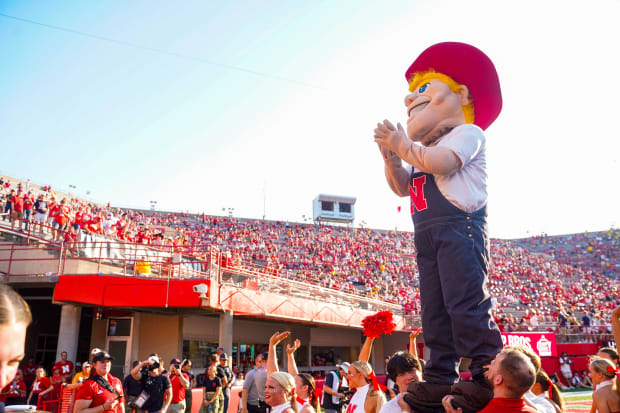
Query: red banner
[542,344]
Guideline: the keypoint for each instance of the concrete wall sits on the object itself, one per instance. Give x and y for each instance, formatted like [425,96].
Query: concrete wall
[161,334]
[46,261]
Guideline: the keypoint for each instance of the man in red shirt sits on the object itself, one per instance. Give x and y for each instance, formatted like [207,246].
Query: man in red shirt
[61,219]
[17,208]
[65,366]
[511,374]
[179,382]
[28,204]
[101,392]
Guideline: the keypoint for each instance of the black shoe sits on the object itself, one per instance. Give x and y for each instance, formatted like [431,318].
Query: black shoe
[423,395]
[472,395]
[419,408]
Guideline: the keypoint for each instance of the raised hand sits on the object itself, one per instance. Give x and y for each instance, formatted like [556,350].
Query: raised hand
[277,337]
[390,137]
[291,349]
[414,334]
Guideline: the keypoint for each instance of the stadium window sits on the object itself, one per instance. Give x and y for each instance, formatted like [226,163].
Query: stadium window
[329,356]
[198,352]
[327,205]
[346,208]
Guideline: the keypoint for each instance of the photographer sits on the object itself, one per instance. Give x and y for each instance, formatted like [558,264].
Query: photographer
[154,385]
[180,382]
[334,381]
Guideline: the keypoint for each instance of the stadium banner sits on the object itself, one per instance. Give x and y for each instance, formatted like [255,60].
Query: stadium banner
[542,344]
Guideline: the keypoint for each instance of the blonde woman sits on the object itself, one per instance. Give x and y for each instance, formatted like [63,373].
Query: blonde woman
[368,397]
[41,388]
[14,319]
[304,383]
[280,393]
[605,398]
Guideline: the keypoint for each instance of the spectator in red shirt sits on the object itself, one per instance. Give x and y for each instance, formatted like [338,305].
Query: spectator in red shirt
[102,392]
[28,204]
[15,391]
[61,218]
[17,208]
[41,388]
[511,374]
[179,382]
[65,367]
[29,372]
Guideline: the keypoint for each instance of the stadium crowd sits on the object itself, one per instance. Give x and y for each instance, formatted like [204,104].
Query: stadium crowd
[561,283]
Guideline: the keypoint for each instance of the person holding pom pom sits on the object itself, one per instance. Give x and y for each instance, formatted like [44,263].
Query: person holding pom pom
[455,95]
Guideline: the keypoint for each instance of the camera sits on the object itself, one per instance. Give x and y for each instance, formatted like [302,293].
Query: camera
[201,289]
[176,366]
[153,366]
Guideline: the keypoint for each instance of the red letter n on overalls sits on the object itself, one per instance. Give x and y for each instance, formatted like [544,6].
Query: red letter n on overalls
[418,201]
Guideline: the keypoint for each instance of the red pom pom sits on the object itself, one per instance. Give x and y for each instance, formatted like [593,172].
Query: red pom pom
[377,324]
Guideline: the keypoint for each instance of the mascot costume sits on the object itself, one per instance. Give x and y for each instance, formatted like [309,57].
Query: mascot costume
[455,95]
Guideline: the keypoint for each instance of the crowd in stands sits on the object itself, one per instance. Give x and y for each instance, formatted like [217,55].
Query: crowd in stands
[561,283]
[595,252]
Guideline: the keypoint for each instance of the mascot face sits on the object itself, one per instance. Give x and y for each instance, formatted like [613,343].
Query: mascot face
[433,109]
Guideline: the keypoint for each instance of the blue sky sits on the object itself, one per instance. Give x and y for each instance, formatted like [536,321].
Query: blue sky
[260,106]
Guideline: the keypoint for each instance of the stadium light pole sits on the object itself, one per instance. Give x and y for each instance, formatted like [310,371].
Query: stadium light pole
[153,204]
[71,189]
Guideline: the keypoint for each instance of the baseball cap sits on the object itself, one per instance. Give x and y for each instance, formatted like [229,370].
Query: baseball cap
[102,356]
[153,359]
[344,366]
[175,361]
[223,356]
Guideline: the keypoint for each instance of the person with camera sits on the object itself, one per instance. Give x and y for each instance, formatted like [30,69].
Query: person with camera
[15,391]
[154,386]
[186,367]
[132,389]
[179,381]
[101,392]
[335,380]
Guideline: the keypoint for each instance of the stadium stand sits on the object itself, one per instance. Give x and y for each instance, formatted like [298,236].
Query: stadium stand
[563,284]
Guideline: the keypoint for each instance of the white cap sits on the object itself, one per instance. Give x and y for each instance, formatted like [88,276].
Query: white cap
[153,360]
[344,366]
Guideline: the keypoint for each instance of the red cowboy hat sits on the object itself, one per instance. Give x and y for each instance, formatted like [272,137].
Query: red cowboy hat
[468,66]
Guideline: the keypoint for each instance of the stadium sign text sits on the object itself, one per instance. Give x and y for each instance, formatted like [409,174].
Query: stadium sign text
[542,344]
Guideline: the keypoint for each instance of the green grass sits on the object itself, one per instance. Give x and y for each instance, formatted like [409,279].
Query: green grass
[577,398]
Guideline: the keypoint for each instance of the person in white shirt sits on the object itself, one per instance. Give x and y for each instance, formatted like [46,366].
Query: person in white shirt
[539,394]
[368,397]
[403,368]
[565,368]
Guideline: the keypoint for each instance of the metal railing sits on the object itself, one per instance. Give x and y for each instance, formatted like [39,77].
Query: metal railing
[38,255]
